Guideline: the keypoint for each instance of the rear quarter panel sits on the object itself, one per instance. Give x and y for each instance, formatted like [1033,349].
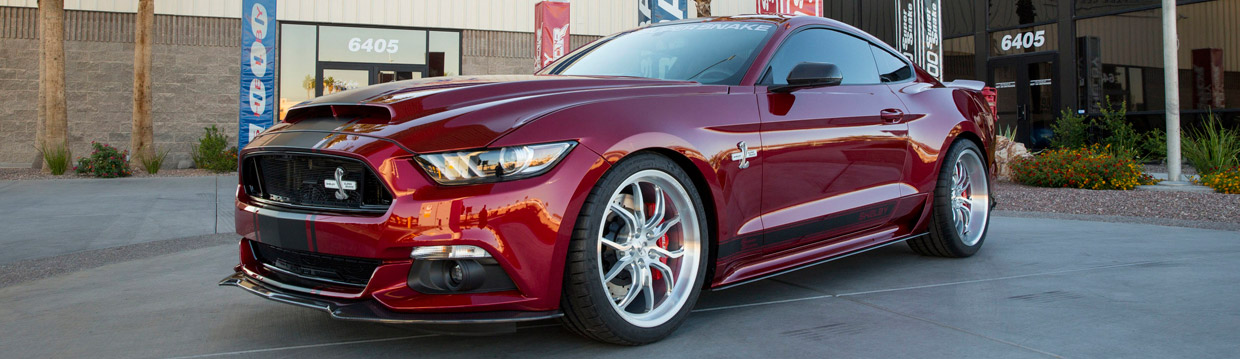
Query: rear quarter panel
[938,116]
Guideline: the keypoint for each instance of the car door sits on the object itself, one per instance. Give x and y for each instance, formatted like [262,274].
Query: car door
[833,156]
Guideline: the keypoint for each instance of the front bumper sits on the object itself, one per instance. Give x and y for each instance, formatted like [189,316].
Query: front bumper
[370,311]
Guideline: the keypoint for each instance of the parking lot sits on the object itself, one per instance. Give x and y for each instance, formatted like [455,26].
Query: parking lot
[1039,288]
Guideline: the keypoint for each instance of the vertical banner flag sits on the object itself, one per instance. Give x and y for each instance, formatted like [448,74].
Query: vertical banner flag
[918,33]
[790,7]
[1208,90]
[550,31]
[258,76]
[657,11]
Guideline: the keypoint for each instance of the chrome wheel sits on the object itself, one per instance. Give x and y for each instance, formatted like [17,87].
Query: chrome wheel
[970,197]
[648,248]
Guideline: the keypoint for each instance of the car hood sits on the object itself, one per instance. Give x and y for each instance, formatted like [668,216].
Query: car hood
[453,113]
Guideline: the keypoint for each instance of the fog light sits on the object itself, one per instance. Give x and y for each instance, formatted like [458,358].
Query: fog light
[456,274]
[448,252]
[463,276]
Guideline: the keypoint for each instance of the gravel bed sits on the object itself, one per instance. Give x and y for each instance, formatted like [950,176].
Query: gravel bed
[1162,168]
[9,174]
[1179,206]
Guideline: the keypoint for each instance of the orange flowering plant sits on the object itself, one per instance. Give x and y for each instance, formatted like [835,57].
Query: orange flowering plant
[1222,181]
[1092,167]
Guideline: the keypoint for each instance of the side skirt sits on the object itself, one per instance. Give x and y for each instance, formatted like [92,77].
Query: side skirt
[811,264]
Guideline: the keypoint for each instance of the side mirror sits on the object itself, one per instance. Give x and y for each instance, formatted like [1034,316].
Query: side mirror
[811,74]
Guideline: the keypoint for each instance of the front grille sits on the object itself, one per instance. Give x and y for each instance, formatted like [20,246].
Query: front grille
[301,180]
[316,267]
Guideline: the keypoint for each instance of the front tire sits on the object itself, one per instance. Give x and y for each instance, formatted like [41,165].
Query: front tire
[960,215]
[638,254]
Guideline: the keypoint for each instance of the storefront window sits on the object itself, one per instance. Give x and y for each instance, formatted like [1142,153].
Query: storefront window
[319,60]
[444,45]
[1008,13]
[959,56]
[958,17]
[297,47]
[1129,47]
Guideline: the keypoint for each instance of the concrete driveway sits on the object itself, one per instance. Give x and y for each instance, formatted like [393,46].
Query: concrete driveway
[1040,288]
[54,217]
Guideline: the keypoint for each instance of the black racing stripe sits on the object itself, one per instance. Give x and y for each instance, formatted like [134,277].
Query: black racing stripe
[848,221]
[314,235]
[285,230]
[318,124]
[306,140]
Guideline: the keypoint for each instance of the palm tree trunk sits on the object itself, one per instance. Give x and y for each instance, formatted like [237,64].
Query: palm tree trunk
[703,8]
[55,118]
[142,136]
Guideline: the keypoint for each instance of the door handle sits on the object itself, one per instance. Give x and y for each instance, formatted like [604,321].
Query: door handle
[892,115]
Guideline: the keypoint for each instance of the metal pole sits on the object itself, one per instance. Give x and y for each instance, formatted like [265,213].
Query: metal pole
[1171,75]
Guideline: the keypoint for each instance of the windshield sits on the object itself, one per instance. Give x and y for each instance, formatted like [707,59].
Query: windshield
[710,53]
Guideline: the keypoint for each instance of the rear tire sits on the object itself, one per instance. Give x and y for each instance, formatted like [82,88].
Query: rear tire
[960,213]
[634,272]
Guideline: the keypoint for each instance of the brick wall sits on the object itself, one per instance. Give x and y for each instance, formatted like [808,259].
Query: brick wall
[195,69]
[503,52]
[195,73]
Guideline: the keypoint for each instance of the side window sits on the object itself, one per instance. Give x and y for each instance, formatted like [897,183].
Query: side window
[890,67]
[850,54]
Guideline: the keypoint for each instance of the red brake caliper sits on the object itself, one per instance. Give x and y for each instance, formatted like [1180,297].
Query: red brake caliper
[662,242]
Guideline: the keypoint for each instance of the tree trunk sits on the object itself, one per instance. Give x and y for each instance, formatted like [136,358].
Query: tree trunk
[41,121]
[703,8]
[56,124]
[142,137]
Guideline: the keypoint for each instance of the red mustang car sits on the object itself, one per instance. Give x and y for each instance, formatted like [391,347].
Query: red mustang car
[615,185]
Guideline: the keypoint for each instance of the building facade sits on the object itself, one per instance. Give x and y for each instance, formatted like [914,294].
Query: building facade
[1050,56]
[1044,56]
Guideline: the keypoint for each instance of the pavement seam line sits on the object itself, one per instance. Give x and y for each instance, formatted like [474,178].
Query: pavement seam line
[306,346]
[782,301]
[320,345]
[1133,264]
[943,325]
[701,310]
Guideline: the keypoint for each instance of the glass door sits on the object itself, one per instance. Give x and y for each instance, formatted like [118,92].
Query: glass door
[1028,96]
[339,76]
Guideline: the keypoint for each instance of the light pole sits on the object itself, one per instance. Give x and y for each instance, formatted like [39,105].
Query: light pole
[1171,75]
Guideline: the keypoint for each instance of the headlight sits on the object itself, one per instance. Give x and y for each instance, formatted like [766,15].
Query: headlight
[494,165]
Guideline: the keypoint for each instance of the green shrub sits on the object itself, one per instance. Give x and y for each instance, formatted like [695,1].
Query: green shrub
[1093,167]
[214,153]
[1154,145]
[154,162]
[104,161]
[57,158]
[1116,131]
[1223,181]
[1071,130]
[1211,147]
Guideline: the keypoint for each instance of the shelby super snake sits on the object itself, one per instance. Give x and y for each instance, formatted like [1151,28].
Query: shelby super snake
[612,187]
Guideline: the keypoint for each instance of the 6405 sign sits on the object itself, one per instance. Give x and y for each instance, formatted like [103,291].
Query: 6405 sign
[1027,40]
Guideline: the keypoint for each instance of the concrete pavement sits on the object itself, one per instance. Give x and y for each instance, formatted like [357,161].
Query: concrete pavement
[43,218]
[1040,288]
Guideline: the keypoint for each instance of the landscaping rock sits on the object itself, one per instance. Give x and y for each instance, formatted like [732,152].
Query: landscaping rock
[183,164]
[1007,151]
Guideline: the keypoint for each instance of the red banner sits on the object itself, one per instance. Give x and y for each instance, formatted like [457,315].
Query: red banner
[1208,79]
[790,7]
[551,31]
